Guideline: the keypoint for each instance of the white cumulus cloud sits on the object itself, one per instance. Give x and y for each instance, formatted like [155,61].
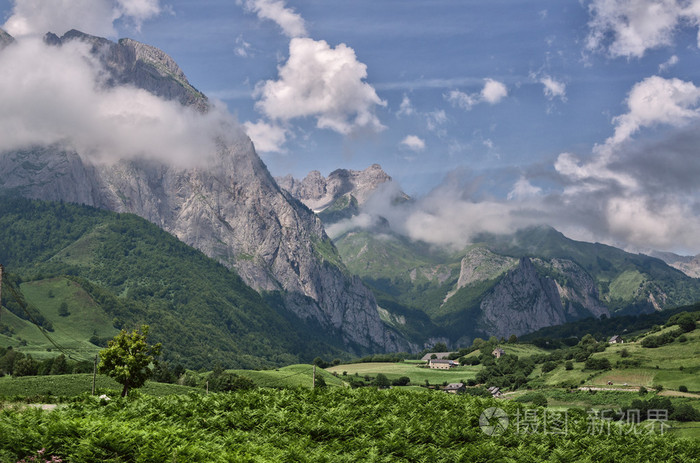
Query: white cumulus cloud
[553,88]
[413,142]
[655,101]
[322,82]
[492,92]
[37,17]
[291,23]
[628,28]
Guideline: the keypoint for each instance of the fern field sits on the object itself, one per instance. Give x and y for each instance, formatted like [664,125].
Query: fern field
[297,425]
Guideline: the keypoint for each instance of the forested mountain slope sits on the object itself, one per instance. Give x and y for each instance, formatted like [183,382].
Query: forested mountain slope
[135,273]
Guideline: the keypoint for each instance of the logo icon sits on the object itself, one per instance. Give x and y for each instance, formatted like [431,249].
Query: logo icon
[493,421]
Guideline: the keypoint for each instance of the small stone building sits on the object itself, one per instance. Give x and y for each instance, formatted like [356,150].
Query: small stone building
[441,364]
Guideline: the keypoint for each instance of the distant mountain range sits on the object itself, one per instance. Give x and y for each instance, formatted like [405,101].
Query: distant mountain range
[499,285]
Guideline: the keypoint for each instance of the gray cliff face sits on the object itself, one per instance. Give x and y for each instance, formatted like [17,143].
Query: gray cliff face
[232,210]
[525,300]
[318,192]
[522,302]
[580,293]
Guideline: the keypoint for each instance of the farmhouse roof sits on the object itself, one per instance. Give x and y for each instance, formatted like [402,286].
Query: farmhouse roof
[439,355]
[442,361]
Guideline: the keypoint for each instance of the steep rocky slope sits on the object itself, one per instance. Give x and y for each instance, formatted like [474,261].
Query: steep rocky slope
[231,209]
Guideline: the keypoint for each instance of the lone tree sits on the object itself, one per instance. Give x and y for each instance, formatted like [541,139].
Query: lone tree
[127,358]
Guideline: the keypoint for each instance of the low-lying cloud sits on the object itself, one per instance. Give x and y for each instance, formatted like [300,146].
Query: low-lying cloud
[55,96]
[96,17]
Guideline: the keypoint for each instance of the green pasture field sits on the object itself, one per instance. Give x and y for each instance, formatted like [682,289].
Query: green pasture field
[77,384]
[688,430]
[289,376]
[71,332]
[521,350]
[417,372]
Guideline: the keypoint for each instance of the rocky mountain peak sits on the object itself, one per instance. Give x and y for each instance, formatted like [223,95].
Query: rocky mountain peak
[318,192]
[138,64]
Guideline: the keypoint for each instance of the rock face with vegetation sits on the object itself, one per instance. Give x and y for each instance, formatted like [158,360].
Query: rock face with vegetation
[231,209]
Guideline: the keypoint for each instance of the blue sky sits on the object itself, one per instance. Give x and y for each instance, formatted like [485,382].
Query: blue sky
[564,111]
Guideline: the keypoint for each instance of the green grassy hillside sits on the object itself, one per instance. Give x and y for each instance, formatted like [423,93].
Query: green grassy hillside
[117,271]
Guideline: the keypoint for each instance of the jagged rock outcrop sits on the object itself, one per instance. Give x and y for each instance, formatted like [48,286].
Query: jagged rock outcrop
[231,209]
[578,291]
[522,302]
[318,192]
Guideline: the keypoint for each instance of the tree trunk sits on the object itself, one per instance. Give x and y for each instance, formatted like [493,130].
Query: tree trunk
[125,391]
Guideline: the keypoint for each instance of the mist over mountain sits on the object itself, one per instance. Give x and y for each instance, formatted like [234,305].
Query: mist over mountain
[151,144]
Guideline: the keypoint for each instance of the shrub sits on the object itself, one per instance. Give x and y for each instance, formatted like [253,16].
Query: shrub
[682,388]
[686,322]
[536,398]
[381,381]
[597,363]
[685,412]
[402,381]
[548,366]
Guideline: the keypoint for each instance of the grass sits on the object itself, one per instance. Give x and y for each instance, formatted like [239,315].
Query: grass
[689,430]
[626,285]
[289,376]
[417,373]
[77,384]
[72,332]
